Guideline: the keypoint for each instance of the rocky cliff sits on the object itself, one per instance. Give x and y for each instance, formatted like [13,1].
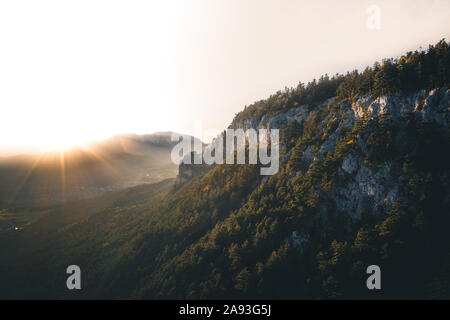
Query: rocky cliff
[361,186]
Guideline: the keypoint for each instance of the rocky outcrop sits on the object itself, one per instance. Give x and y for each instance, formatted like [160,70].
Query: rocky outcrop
[188,168]
[361,187]
[277,120]
[365,188]
[431,105]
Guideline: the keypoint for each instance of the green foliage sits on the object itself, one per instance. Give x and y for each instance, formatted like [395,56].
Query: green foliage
[312,93]
[416,70]
[230,233]
[413,71]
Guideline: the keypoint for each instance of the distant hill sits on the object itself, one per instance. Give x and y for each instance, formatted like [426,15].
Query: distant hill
[113,164]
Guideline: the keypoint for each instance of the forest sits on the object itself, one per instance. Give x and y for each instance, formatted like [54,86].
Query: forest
[229,232]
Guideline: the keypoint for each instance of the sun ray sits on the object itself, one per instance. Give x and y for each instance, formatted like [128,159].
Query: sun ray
[62,165]
[97,155]
[25,179]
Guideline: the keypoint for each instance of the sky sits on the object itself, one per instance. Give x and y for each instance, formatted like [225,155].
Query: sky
[75,71]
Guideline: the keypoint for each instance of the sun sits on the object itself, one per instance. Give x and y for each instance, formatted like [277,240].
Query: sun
[60,141]
[56,135]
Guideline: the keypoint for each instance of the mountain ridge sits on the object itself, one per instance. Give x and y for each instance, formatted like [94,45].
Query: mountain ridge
[363,180]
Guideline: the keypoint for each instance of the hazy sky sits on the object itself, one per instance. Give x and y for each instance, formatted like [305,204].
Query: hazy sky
[72,71]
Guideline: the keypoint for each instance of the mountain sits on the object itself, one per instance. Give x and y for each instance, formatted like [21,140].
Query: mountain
[363,180]
[113,164]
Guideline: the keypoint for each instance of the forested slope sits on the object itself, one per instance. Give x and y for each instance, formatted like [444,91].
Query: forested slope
[364,179]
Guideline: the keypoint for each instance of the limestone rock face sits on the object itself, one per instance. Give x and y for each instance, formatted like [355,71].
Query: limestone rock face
[361,187]
[431,105]
[275,121]
[350,164]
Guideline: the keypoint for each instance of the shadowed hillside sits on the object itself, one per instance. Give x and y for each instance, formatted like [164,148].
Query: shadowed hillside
[364,179]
